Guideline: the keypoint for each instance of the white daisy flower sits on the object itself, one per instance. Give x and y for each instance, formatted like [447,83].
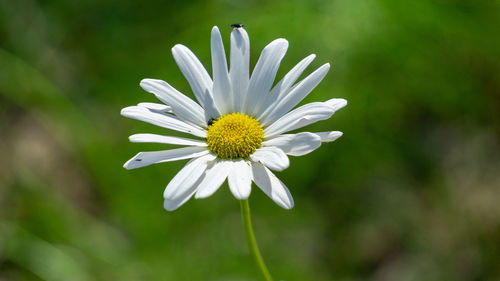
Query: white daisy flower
[239,124]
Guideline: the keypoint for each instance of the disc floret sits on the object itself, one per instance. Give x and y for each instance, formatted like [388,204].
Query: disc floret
[234,136]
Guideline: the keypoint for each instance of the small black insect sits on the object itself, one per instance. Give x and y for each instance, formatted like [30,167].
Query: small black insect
[237,25]
[210,122]
[138,160]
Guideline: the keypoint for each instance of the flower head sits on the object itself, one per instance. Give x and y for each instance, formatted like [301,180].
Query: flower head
[239,123]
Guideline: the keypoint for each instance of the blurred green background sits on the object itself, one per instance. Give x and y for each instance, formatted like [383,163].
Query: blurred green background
[410,192]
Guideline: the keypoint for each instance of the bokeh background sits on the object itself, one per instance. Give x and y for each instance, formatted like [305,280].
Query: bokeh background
[410,192]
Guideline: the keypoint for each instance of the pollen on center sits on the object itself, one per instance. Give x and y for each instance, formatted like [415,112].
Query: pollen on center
[234,135]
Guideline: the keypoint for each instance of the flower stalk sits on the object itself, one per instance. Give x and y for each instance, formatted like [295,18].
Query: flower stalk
[252,243]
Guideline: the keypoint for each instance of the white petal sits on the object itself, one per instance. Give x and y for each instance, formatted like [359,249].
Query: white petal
[187,177]
[272,157]
[147,158]
[296,95]
[198,79]
[162,120]
[240,179]
[222,85]
[336,103]
[272,186]
[156,107]
[214,177]
[171,205]
[295,144]
[264,74]
[283,87]
[152,138]
[303,116]
[240,63]
[329,136]
[181,105]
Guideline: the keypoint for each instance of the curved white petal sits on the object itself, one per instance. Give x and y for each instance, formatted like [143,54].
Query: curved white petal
[296,95]
[240,63]
[156,107]
[152,138]
[240,179]
[264,74]
[173,204]
[336,103]
[272,157]
[198,79]
[282,88]
[329,136]
[184,107]
[187,177]
[272,186]
[215,176]
[147,158]
[162,120]
[303,116]
[222,91]
[295,144]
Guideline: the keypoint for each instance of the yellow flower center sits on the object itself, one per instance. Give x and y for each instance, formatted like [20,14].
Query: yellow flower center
[234,135]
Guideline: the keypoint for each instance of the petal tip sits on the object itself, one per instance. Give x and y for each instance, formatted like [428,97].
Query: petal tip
[178,48]
[288,204]
[145,82]
[336,103]
[124,112]
[330,136]
[240,196]
[240,32]
[127,165]
[201,194]
[281,41]
[134,162]
[169,206]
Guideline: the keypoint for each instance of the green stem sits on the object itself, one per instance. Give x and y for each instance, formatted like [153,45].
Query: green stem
[252,243]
